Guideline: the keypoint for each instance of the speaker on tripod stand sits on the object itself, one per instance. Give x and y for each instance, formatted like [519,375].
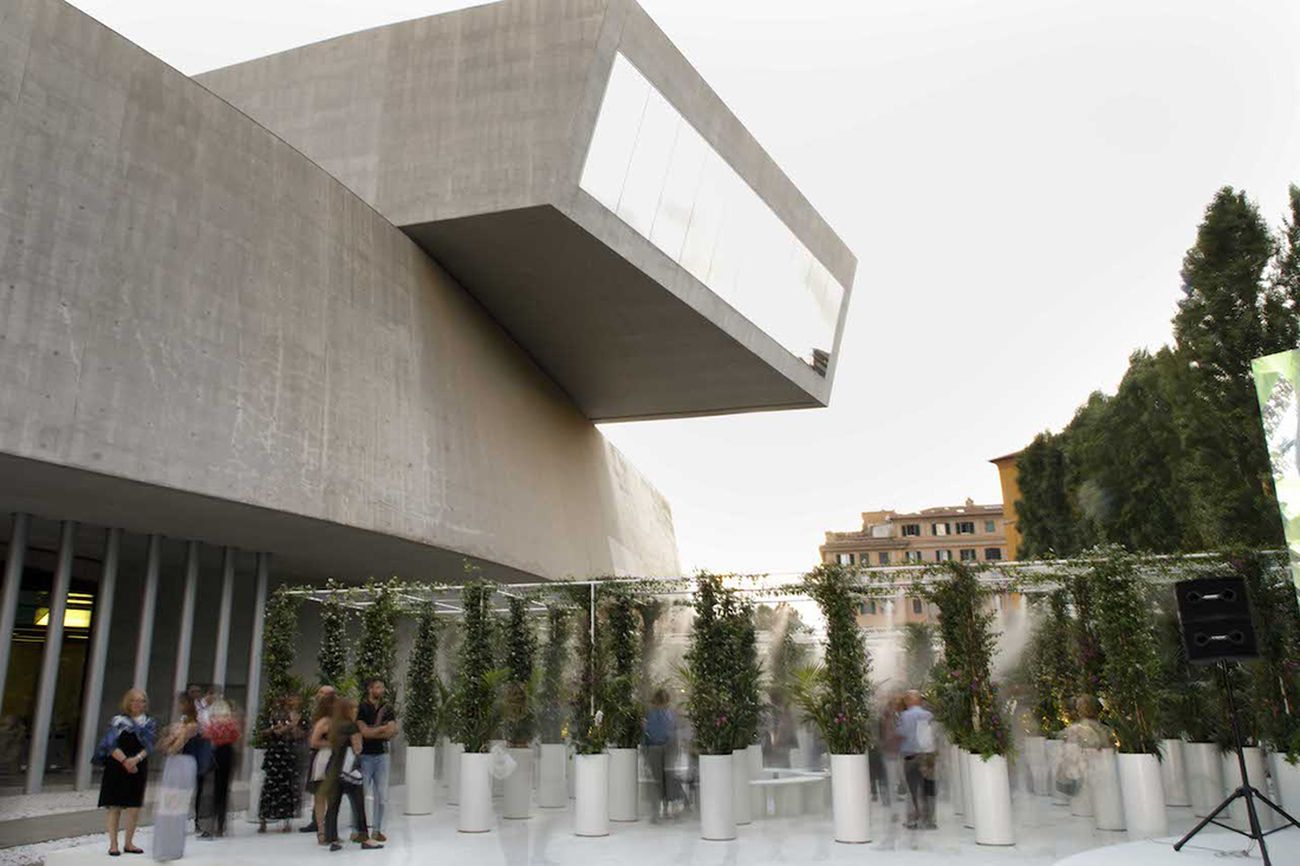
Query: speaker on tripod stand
[1214,615]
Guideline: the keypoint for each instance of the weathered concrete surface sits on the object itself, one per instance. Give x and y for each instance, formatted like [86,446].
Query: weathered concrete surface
[490,110]
[190,308]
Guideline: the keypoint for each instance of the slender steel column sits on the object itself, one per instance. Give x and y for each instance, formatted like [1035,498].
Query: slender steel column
[223,619]
[149,601]
[254,698]
[186,638]
[95,663]
[50,660]
[13,586]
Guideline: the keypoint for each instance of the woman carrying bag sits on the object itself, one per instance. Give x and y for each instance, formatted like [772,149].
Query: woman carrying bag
[343,775]
[186,750]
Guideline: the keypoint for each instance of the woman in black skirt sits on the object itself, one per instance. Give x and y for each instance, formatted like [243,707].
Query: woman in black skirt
[124,751]
[281,794]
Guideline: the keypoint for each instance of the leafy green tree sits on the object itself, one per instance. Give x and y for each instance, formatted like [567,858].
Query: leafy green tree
[1044,515]
[521,648]
[1052,671]
[279,649]
[1131,671]
[1274,685]
[964,688]
[551,712]
[423,687]
[332,658]
[624,714]
[705,672]
[1222,324]
[835,696]
[589,695]
[478,680]
[377,651]
[747,675]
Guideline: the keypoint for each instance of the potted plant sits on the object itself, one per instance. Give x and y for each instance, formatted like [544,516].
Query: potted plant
[424,692]
[1172,724]
[836,697]
[520,722]
[591,778]
[746,686]
[478,708]
[1130,688]
[624,718]
[552,792]
[1052,677]
[706,677]
[332,658]
[1275,681]
[966,629]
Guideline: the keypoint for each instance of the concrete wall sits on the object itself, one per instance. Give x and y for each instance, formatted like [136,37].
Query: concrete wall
[188,302]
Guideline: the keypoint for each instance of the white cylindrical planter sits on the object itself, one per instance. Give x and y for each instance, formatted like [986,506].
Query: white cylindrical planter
[851,798]
[967,792]
[1173,773]
[419,779]
[1254,756]
[1036,757]
[451,765]
[741,808]
[591,795]
[552,790]
[991,799]
[717,783]
[475,815]
[498,785]
[517,790]
[571,774]
[1081,802]
[757,799]
[955,791]
[1144,795]
[1204,776]
[624,784]
[1103,786]
[1053,750]
[255,787]
[1286,776]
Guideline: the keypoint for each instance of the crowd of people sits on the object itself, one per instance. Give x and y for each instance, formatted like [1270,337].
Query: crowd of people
[337,750]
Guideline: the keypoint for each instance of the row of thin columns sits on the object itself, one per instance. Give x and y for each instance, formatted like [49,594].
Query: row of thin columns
[97,657]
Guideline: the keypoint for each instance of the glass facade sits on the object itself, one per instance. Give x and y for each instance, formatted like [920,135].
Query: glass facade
[651,168]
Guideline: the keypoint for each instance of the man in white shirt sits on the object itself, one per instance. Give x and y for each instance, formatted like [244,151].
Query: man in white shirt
[916,746]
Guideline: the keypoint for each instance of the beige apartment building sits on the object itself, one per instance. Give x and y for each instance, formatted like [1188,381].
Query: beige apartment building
[965,533]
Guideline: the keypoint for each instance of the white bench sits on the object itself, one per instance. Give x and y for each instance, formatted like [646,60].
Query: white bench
[787,793]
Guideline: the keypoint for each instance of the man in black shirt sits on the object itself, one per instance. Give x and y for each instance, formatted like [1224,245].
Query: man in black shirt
[377,721]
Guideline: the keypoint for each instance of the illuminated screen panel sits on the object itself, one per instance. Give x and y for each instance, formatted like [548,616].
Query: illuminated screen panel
[1276,379]
[649,166]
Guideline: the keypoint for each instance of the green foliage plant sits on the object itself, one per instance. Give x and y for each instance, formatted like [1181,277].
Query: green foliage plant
[1131,671]
[624,718]
[377,651]
[521,648]
[705,672]
[1052,670]
[424,690]
[1274,685]
[332,658]
[279,649]
[747,675]
[478,712]
[551,710]
[835,696]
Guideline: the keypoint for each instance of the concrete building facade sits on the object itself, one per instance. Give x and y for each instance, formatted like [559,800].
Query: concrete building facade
[228,361]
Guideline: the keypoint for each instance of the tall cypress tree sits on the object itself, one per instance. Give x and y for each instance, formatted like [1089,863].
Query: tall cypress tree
[1222,324]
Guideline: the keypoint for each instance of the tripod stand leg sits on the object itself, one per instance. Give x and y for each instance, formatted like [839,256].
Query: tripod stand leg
[1207,819]
[1278,809]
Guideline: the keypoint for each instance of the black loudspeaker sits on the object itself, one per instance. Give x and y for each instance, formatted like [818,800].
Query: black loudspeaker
[1214,613]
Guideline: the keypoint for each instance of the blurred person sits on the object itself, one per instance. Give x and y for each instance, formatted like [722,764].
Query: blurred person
[377,721]
[885,750]
[660,737]
[124,752]
[187,752]
[281,797]
[200,700]
[322,694]
[222,730]
[319,741]
[343,776]
[916,747]
[1085,733]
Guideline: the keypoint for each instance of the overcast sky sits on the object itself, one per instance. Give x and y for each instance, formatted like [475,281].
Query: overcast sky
[1018,178]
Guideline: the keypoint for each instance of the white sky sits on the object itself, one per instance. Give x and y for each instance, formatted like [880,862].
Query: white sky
[1018,178]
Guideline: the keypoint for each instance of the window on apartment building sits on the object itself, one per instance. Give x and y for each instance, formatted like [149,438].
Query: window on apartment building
[990,526]
[911,556]
[883,557]
[911,529]
[940,528]
[844,558]
[916,605]
[992,553]
[968,554]
[943,556]
[966,527]
[871,607]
